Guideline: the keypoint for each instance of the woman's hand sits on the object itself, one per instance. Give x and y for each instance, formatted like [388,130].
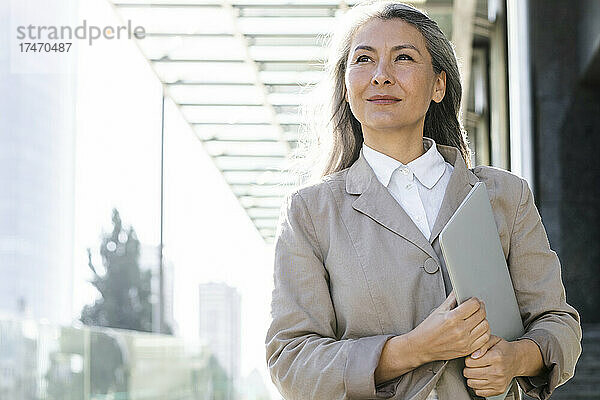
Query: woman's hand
[490,371]
[449,333]
[490,374]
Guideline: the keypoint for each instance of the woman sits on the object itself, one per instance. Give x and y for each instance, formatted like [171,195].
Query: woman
[362,306]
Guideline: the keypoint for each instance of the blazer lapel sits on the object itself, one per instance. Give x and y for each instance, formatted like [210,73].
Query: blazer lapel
[376,201]
[460,183]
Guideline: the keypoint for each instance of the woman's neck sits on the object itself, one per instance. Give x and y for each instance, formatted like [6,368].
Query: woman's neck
[402,148]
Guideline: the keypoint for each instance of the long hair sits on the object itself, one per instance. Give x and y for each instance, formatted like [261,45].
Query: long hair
[329,120]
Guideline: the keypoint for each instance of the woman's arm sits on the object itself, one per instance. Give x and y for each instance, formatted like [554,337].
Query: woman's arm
[399,356]
[529,358]
[304,358]
[551,324]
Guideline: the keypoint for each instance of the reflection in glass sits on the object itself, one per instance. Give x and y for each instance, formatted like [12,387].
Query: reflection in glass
[124,289]
[48,362]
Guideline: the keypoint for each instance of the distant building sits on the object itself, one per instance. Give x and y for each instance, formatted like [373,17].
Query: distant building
[220,326]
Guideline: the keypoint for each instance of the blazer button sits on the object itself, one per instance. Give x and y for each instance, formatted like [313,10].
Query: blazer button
[431,266]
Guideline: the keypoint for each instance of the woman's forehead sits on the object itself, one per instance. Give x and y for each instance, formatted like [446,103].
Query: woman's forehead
[377,32]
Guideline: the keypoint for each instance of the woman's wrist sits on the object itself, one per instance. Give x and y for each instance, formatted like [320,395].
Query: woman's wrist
[400,354]
[528,358]
[417,349]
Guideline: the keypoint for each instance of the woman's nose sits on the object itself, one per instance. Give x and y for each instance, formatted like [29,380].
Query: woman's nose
[381,76]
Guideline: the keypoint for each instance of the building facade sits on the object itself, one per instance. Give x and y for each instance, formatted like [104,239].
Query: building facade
[36,172]
[220,327]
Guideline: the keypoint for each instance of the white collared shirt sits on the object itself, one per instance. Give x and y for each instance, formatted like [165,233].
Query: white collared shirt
[422,197]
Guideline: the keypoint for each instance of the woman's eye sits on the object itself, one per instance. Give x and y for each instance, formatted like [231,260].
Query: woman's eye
[404,57]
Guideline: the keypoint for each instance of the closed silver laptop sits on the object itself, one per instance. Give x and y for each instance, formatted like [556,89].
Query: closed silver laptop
[475,261]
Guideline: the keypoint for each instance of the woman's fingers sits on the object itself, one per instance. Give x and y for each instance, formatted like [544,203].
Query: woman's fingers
[478,383]
[476,318]
[467,309]
[479,344]
[477,373]
[449,303]
[481,328]
[485,347]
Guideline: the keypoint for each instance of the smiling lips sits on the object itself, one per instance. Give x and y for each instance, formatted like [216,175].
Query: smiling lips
[383,99]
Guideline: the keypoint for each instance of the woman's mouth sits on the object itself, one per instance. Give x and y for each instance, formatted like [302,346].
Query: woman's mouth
[384,101]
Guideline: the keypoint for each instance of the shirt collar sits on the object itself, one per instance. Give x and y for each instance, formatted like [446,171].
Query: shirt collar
[382,164]
[428,168]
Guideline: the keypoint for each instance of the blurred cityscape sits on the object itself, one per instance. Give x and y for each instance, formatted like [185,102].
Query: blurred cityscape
[142,178]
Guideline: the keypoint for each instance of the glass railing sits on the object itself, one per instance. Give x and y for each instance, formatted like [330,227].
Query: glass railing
[40,361]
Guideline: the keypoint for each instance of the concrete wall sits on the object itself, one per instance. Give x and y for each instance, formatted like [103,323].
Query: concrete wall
[567,141]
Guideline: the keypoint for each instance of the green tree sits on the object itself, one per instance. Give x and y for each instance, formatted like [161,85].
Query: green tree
[125,290]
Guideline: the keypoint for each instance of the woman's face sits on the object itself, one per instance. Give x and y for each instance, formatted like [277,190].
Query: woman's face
[390,58]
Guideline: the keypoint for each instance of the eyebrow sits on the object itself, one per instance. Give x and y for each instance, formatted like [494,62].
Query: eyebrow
[399,47]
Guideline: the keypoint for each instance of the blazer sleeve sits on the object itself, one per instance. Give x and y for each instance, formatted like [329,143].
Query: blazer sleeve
[549,320]
[304,357]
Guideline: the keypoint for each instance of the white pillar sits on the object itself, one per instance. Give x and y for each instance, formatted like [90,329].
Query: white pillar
[519,88]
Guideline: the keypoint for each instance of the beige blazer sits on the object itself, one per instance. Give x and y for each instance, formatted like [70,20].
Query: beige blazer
[352,270]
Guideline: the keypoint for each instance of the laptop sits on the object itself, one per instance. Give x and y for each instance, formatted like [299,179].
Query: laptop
[476,265]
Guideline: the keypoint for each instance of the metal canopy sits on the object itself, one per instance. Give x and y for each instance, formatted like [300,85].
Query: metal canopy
[238,69]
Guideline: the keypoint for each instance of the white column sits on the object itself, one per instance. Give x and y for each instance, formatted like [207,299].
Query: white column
[519,88]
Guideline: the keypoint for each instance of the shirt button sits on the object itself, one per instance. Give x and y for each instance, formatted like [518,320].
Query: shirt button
[404,171]
[409,186]
[418,218]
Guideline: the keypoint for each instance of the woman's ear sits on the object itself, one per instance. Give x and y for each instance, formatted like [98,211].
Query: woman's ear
[439,88]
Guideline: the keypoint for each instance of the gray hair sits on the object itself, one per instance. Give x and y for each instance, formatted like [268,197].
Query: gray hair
[330,121]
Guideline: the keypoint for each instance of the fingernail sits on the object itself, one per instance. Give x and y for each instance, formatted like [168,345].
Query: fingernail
[477,354]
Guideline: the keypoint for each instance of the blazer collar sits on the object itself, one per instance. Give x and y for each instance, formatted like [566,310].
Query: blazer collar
[376,201]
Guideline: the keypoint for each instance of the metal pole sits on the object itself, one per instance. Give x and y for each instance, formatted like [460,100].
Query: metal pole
[161,289]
